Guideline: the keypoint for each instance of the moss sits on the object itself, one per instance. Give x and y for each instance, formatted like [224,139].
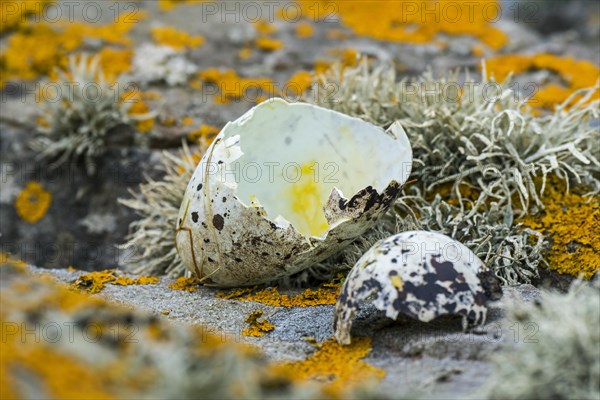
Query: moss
[94,282]
[258,326]
[33,202]
[338,368]
[572,221]
[178,40]
[185,284]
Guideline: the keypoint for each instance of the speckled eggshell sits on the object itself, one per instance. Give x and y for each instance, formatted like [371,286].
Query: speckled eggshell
[227,239]
[418,273]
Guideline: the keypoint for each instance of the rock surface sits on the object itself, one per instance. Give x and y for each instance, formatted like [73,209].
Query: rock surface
[435,360]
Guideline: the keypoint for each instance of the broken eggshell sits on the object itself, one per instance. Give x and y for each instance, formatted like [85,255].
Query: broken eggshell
[421,274]
[283,187]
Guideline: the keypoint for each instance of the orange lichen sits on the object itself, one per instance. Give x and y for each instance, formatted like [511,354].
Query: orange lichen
[97,356]
[573,224]
[185,284]
[176,39]
[477,50]
[304,30]
[268,44]
[327,294]
[139,109]
[187,121]
[64,376]
[231,86]
[349,56]
[577,74]
[94,282]
[258,325]
[6,258]
[414,22]
[33,202]
[114,62]
[38,48]
[204,132]
[321,67]
[245,53]
[299,82]
[168,121]
[338,368]
[194,160]
[264,27]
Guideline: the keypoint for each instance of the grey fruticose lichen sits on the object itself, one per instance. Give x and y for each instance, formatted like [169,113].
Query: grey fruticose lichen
[488,142]
[151,238]
[286,186]
[79,120]
[421,274]
[556,354]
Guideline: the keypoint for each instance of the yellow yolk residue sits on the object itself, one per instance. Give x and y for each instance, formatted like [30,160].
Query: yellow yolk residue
[306,202]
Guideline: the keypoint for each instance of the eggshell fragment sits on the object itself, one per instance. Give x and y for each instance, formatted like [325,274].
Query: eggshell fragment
[421,274]
[283,187]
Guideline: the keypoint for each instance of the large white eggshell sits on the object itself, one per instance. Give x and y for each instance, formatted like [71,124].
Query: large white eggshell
[421,274]
[238,227]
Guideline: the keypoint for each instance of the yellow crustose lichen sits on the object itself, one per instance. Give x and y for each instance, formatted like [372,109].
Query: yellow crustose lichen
[231,86]
[37,48]
[258,326]
[577,74]
[204,132]
[324,295]
[33,202]
[185,284]
[176,39]
[572,223]
[339,368]
[299,83]
[94,282]
[414,22]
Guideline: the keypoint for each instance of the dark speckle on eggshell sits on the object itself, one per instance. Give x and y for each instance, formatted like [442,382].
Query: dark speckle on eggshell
[218,221]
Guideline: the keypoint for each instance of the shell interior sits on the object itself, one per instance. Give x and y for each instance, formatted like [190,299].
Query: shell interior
[292,173]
